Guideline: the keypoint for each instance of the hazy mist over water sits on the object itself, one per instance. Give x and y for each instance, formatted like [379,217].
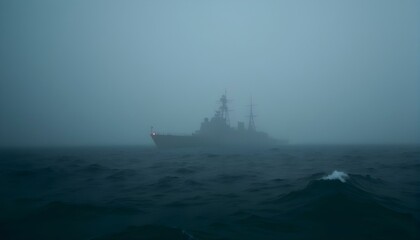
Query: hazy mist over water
[82,82]
[103,72]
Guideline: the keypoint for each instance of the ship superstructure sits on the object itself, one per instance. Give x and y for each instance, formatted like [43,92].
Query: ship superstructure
[217,132]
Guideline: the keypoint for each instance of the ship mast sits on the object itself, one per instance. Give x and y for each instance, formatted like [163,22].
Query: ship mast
[251,124]
[223,109]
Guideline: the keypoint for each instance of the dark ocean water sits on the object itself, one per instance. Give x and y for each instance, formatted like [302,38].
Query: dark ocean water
[290,192]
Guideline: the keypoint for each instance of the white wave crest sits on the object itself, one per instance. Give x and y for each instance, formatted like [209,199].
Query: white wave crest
[337,175]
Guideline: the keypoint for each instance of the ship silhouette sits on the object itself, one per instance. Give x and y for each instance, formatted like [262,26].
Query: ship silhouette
[217,132]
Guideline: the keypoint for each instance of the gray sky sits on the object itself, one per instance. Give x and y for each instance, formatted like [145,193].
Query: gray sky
[102,72]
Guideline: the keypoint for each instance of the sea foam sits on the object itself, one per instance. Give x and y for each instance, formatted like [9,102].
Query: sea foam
[336,175]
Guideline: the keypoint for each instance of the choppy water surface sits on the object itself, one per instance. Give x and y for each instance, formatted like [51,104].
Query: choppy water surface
[290,192]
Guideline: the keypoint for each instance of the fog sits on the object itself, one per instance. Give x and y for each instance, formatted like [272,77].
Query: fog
[104,72]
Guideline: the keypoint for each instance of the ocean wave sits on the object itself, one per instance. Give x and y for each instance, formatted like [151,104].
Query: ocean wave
[233,178]
[149,232]
[121,174]
[63,220]
[337,175]
[353,186]
[62,210]
[185,171]
[264,195]
[337,200]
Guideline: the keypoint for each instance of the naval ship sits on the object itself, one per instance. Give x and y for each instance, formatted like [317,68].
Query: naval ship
[217,132]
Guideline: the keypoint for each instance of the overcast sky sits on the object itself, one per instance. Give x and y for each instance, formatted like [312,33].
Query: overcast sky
[103,72]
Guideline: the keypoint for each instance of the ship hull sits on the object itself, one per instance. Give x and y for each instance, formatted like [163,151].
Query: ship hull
[174,141]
